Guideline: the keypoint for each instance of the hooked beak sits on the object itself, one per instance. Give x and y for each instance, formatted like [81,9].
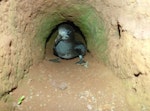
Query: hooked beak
[58,38]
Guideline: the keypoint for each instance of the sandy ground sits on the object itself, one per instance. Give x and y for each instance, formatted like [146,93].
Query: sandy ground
[66,86]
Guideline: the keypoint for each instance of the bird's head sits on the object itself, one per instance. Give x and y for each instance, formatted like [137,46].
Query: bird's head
[66,32]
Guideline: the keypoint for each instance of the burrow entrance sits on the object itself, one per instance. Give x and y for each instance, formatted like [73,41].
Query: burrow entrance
[90,26]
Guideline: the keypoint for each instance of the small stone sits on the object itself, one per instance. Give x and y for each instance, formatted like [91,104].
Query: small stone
[30,97]
[48,96]
[29,81]
[37,95]
[89,107]
[63,86]
[44,105]
[86,65]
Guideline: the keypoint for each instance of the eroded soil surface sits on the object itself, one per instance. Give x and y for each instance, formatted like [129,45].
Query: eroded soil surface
[66,86]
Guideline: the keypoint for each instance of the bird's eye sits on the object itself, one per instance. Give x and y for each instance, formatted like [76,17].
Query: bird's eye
[68,32]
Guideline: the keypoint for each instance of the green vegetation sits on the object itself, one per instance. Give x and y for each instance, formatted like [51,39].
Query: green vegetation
[84,16]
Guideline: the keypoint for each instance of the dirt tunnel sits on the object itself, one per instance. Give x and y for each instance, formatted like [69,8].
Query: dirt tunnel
[118,72]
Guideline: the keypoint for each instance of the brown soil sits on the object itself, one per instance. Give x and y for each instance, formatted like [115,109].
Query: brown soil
[66,86]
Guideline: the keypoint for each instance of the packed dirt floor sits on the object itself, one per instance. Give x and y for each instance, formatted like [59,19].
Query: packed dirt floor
[66,86]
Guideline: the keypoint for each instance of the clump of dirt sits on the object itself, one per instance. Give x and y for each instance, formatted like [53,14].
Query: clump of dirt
[66,86]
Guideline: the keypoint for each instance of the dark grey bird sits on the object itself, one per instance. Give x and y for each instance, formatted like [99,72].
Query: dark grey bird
[66,46]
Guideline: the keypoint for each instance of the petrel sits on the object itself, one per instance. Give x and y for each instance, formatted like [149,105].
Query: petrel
[66,47]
